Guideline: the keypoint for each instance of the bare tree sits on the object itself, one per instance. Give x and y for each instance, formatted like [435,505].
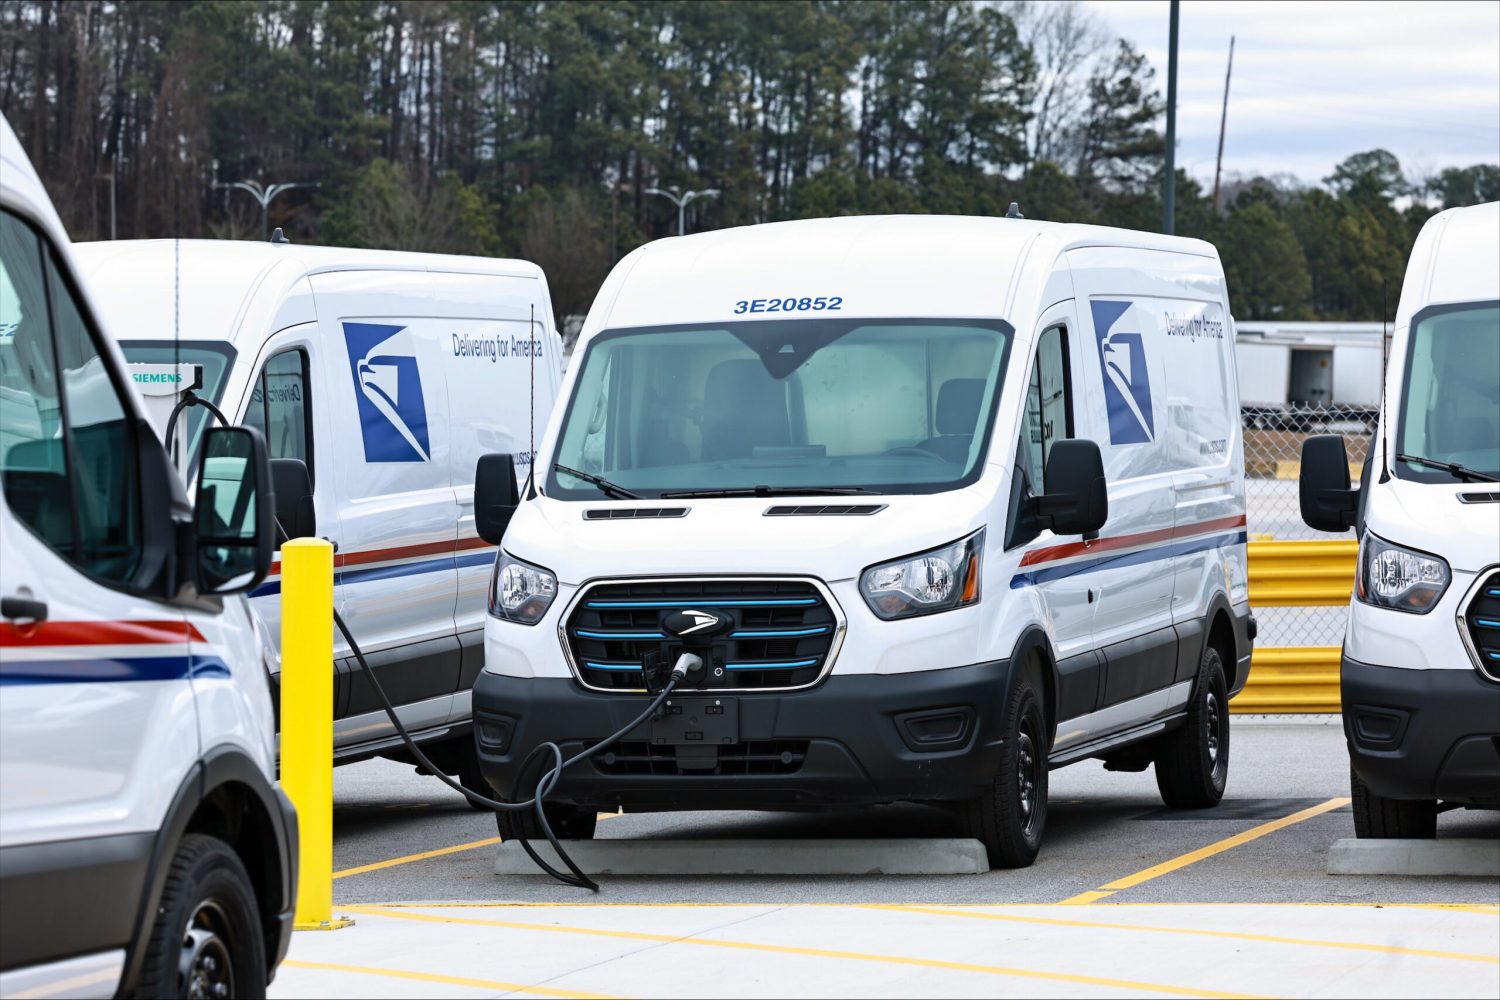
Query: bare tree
[1066,39]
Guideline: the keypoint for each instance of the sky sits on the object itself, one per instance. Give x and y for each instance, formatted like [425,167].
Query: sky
[1315,82]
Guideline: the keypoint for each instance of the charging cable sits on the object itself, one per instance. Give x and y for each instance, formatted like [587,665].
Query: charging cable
[547,783]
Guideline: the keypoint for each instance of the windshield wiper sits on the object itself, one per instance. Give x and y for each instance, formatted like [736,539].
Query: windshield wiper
[606,487]
[769,491]
[1454,469]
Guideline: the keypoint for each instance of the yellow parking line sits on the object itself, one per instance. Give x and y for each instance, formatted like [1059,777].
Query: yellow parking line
[1384,949]
[923,963]
[1218,847]
[433,977]
[407,859]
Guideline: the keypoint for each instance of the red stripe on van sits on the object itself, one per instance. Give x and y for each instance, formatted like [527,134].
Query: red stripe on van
[96,633]
[1054,552]
[367,556]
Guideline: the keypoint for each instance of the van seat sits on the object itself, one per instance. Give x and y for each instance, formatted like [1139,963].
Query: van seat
[743,407]
[957,413]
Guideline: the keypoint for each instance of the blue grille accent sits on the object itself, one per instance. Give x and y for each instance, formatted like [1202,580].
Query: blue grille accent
[1482,618]
[1487,623]
[792,665]
[783,632]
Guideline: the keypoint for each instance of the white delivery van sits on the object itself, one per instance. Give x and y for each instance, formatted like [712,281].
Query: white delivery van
[145,846]
[940,502]
[385,375]
[1420,671]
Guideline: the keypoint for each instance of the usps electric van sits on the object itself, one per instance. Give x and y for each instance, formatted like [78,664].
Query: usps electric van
[145,846]
[378,379]
[939,502]
[1420,670]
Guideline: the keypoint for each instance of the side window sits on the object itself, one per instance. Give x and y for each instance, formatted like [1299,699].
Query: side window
[1049,408]
[67,452]
[281,407]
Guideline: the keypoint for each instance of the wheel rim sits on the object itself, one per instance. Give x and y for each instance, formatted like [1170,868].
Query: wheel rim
[1028,787]
[206,970]
[1214,722]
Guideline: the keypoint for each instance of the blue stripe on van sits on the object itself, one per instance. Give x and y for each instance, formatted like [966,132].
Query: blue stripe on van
[114,668]
[1048,574]
[363,575]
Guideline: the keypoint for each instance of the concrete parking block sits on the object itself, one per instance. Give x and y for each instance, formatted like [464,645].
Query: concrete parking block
[1477,858]
[917,856]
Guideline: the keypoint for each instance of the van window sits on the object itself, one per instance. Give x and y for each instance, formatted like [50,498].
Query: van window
[67,451]
[281,407]
[1450,403]
[1049,408]
[882,405]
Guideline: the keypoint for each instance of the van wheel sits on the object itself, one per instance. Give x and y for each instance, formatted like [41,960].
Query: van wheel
[568,823]
[1012,813]
[471,777]
[1379,818]
[207,940]
[1192,762]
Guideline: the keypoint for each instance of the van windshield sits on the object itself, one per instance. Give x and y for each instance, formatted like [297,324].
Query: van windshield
[215,358]
[885,406]
[1450,402]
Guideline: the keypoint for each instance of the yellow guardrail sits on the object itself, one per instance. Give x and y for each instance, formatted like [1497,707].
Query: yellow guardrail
[1301,574]
[1300,679]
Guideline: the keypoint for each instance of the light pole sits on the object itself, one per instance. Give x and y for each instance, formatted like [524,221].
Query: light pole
[264,196]
[682,201]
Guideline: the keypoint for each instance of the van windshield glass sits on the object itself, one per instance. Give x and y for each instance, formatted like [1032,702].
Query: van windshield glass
[1450,402]
[160,356]
[886,406]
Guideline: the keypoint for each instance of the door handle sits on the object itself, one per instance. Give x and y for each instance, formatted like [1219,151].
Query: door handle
[23,608]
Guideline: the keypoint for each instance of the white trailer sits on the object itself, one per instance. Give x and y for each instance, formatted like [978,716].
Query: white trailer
[1289,369]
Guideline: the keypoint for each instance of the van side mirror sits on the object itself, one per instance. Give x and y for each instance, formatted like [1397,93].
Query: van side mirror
[233,526]
[496,496]
[1076,501]
[1328,503]
[296,517]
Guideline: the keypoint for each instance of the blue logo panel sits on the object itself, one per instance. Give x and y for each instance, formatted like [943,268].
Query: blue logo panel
[1127,383]
[388,390]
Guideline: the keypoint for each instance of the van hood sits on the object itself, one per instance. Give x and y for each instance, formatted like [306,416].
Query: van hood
[1432,517]
[734,535]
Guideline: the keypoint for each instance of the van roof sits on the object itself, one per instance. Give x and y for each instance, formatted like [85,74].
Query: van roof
[1465,265]
[863,258]
[135,278]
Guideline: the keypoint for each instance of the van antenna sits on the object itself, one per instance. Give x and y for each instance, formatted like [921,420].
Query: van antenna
[1385,362]
[176,340]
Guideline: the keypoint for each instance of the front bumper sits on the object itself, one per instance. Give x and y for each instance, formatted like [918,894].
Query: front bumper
[1423,734]
[929,736]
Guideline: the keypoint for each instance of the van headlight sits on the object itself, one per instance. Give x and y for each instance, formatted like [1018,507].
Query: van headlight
[521,592]
[936,580]
[1389,576]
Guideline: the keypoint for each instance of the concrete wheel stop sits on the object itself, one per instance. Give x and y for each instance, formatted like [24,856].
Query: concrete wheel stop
[1476,858]
[913,856]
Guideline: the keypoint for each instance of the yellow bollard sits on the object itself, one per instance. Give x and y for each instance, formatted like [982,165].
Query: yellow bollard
[307,722]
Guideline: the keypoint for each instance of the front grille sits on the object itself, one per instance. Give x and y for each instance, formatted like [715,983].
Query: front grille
[1482,618]
[749,758]
[784,632]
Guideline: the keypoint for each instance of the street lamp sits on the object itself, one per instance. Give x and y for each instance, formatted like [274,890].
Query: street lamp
[264,196]
[682,202]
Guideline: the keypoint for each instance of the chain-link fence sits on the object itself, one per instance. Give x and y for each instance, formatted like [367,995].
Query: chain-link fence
[1273,454]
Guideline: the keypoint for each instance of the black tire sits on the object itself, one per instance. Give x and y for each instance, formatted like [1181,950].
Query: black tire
[1011,815]
[1192,761]
[1379,818]
[471,777]
[568,823]
[207,940]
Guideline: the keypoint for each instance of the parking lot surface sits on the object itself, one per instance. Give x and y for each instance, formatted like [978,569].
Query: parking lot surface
[1252,911]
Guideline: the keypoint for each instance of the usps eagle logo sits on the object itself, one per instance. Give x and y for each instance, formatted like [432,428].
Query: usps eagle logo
[1122,365]
[388,393]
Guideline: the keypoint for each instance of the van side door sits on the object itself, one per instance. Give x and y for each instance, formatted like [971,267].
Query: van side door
[286,401]
[396,584]
[1050,563]
[98,722]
